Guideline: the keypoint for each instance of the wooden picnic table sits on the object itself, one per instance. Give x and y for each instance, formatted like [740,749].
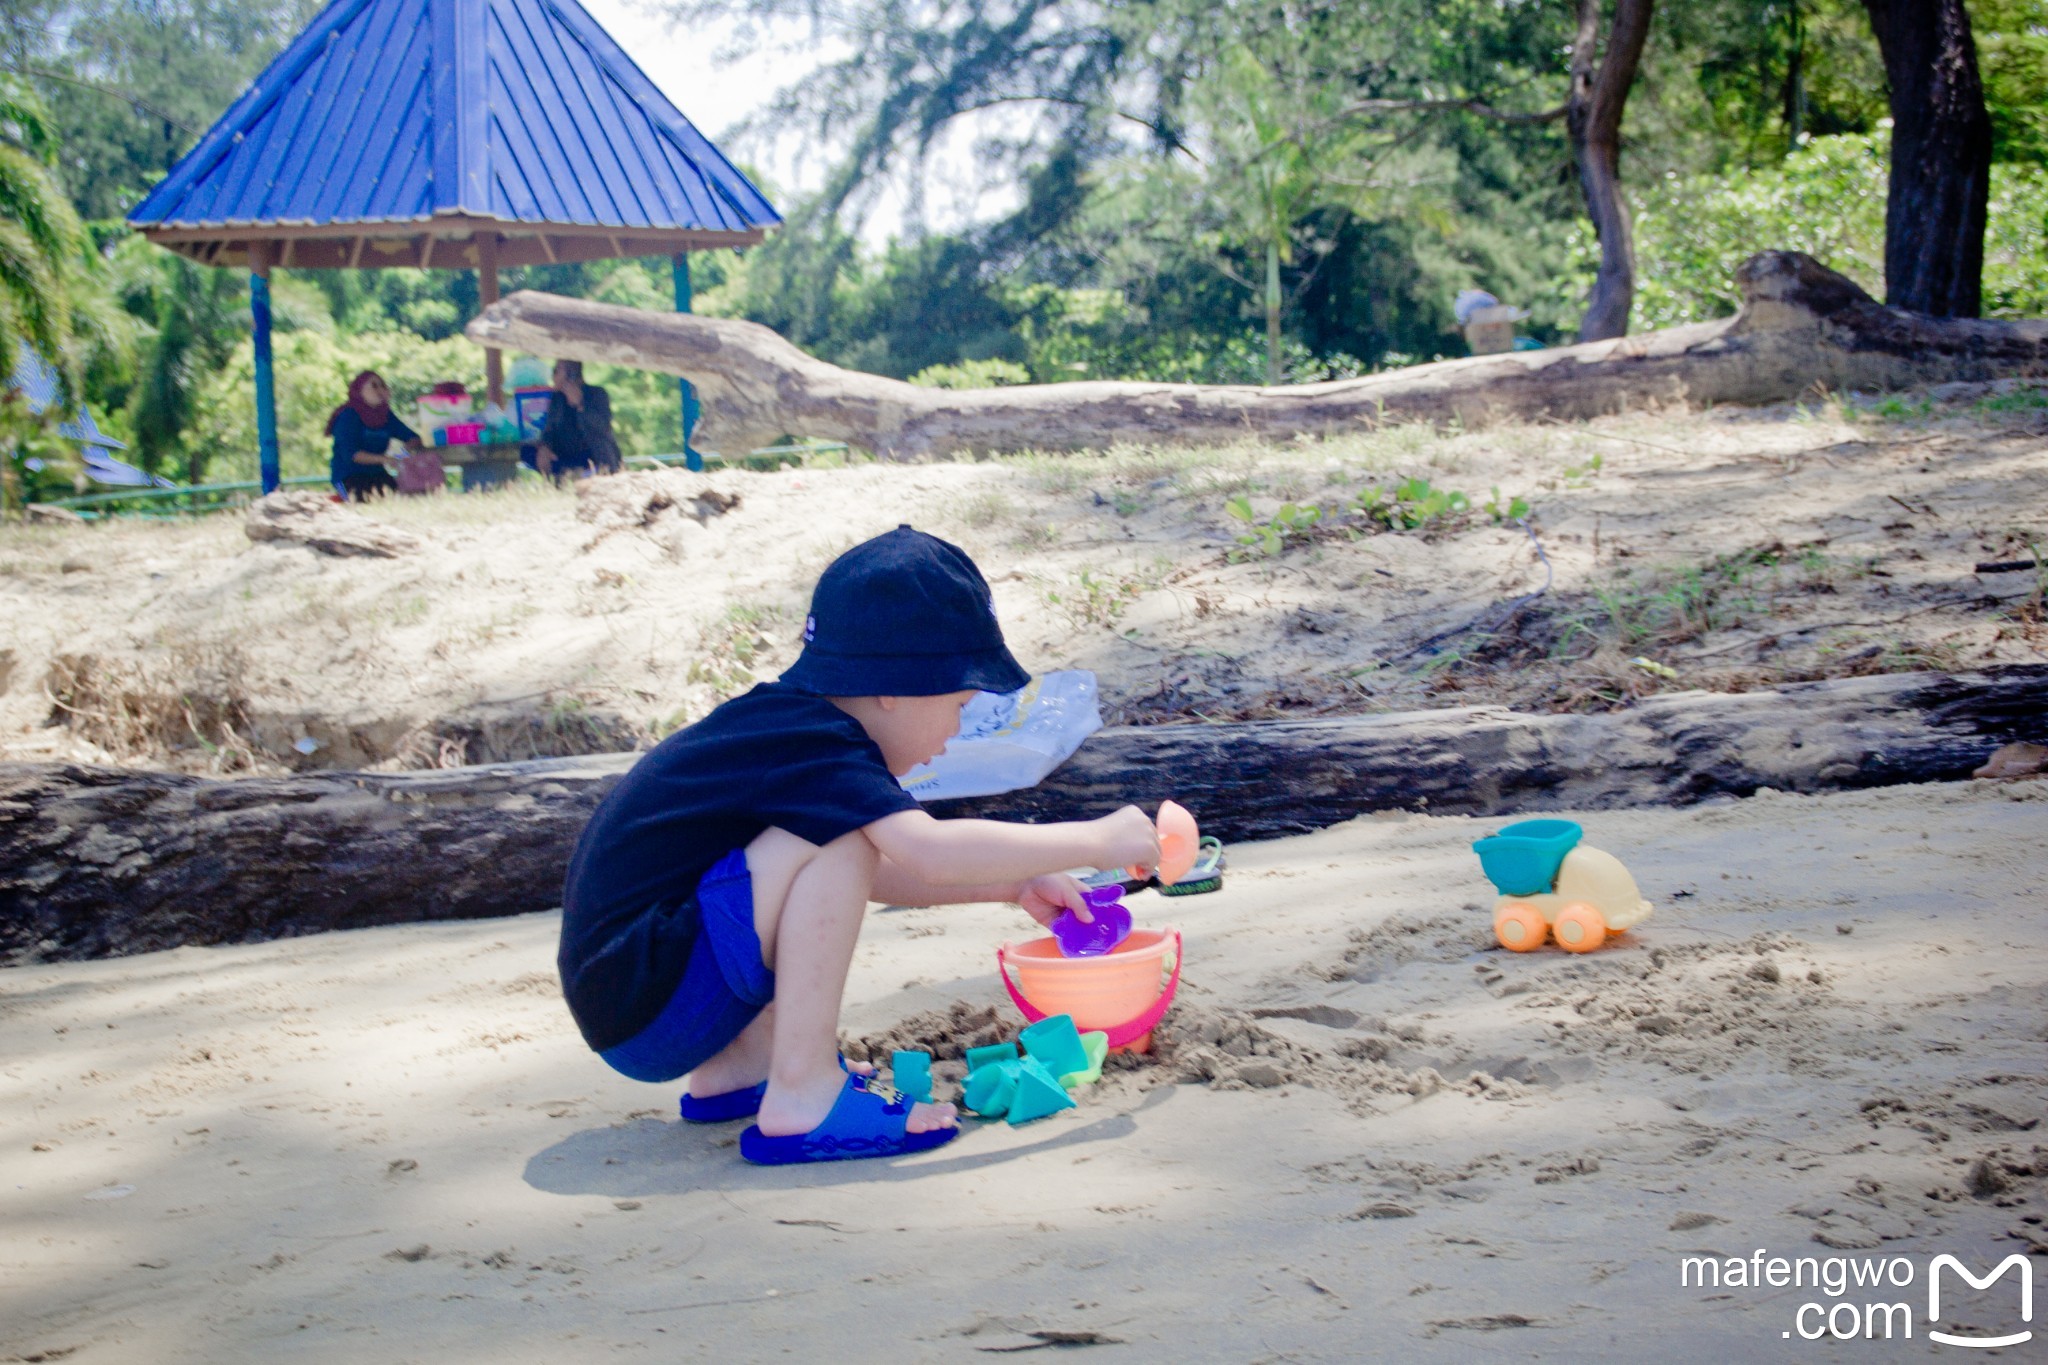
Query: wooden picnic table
[483,452]
[483,465]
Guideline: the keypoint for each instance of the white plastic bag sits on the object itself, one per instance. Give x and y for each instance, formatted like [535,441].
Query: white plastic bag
[1013,739]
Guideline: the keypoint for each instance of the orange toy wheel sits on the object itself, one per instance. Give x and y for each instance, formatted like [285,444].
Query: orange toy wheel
[1579,928]
[1519,926]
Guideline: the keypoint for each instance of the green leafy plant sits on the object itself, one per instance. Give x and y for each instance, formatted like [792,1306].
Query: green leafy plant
[35,464]
[1579,475]
[1099,600]
[731,646]
[1504,510]
[2026,399]
[1900,408]
[1290,524]
[1411,505]
[972,374]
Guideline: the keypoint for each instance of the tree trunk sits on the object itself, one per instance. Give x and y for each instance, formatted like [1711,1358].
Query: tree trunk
[1794,91]
[1593,121]
[1940,159]
[1272,314]
[1801,325]
[99,861]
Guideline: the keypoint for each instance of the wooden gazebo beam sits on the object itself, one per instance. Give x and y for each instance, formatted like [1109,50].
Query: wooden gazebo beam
[442,244]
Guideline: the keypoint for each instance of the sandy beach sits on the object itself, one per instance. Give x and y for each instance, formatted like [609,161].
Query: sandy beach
[1366,1131]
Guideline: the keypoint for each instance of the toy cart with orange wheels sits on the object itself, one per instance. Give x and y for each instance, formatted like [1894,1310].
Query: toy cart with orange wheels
[1552,886]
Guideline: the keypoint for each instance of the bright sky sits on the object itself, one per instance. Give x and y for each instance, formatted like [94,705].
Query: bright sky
[713,95]
[717,96]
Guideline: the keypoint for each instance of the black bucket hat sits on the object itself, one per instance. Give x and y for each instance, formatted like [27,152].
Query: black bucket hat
[903,615]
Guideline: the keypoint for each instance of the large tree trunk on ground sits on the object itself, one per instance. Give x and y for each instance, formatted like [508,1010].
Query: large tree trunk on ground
[1801,326]
[1941,157]
[98,861]
[1592,119]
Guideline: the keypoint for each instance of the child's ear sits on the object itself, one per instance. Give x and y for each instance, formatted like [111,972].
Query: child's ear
[887,703]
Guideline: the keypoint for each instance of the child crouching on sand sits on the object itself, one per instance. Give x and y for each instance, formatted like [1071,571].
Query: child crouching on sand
[713,901]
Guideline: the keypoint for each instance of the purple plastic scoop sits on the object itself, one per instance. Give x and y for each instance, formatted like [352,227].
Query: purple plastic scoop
[1112,925]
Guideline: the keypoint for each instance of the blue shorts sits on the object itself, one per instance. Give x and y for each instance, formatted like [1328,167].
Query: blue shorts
[724,986]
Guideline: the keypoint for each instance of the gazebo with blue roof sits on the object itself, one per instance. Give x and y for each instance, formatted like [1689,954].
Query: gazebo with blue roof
[451,134]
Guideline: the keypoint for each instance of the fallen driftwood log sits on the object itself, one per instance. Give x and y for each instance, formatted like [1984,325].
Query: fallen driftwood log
[1801,327]
[302,516]
[100,861]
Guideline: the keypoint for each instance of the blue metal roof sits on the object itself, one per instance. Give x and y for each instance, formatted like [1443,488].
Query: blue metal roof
[499,115]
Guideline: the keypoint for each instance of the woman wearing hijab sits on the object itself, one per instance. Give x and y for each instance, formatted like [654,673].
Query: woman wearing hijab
[576,437]
[363,429]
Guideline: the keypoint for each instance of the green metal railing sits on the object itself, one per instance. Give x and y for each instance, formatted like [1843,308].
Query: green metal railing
[183,500]
[762,460]
[190,500]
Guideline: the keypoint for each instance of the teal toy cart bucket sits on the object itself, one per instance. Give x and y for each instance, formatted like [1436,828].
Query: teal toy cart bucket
[1523,858]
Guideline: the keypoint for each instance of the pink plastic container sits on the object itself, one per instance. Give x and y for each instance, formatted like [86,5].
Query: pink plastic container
[464,433]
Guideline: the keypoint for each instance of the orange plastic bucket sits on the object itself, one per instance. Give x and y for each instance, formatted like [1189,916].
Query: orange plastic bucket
[1120,992]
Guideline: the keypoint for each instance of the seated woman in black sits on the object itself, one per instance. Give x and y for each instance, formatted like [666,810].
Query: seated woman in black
[576,438]
[363,429]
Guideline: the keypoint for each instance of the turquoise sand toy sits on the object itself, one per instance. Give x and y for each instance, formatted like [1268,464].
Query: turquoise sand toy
[911,1072]
[1523,858]
[1057,1059]
[1056,1043]
[1551,885]
[979,1057]
[991,1088]
[1038,1093]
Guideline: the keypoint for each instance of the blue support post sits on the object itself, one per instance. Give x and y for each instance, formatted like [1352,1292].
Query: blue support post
[691,458]
[266,396]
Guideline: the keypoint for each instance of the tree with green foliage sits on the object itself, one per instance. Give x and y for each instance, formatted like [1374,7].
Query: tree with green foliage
[43,262]
[1217,192]
[194,317]
[1277,146]
[133,84]
[42,243]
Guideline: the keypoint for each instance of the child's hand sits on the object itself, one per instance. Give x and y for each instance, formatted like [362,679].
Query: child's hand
[1043,898]
[1129,839]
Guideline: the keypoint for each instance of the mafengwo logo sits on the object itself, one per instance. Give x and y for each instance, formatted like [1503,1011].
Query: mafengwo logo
[2023,1267]
[1880,1312]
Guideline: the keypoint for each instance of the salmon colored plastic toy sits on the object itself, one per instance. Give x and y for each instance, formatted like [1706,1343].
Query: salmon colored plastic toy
[1179,844]
[1552,886]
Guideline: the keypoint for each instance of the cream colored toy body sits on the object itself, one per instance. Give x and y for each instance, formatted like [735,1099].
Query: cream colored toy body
[1554,887]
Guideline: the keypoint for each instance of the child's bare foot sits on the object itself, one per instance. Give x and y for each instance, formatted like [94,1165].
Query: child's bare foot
[799,1105]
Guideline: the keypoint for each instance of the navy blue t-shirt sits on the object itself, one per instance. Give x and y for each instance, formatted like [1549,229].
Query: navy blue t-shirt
[777,757]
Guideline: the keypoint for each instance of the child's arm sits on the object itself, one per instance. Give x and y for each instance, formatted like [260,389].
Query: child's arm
[1043,897]
[940,861]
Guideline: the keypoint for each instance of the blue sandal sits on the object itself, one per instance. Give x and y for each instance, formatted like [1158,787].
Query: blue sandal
[733,1104]
[868,1119]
